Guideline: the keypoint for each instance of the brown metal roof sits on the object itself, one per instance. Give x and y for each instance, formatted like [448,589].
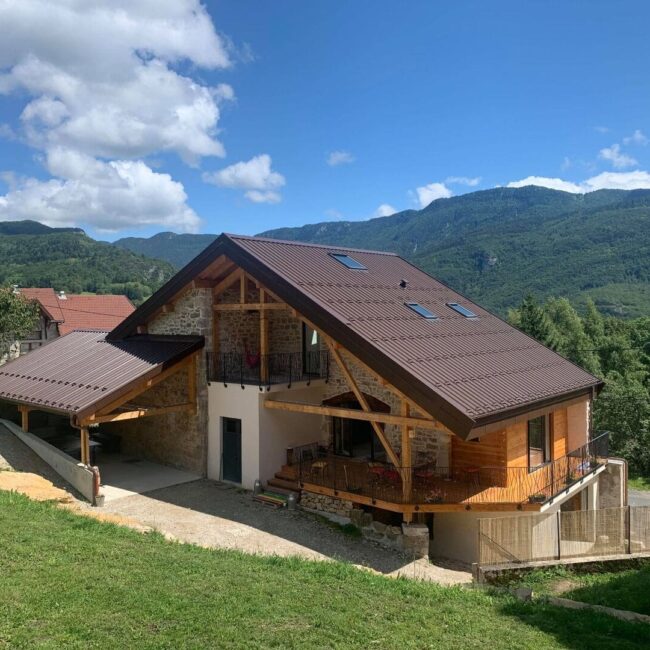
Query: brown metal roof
[82,371]
[467,372]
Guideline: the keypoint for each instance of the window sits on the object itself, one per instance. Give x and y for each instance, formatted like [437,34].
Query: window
[538,442]
[348,261]
[311,355]
[419,309]
[468,313]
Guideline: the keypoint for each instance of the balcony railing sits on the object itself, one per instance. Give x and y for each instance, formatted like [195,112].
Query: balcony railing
[433,484]
[267,370]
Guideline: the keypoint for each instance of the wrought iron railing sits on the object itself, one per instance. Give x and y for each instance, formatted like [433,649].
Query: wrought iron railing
[267,370]
[430,483]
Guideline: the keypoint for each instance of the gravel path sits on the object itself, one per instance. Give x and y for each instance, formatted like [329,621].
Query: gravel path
[216,515]
[639,497]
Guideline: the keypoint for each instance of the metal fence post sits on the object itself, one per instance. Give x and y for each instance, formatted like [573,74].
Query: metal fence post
[629,529]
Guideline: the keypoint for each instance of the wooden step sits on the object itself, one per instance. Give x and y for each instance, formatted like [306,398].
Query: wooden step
[283,485]
[271,499]
[288,472]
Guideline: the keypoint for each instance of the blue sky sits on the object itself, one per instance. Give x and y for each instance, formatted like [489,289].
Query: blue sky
[412,101]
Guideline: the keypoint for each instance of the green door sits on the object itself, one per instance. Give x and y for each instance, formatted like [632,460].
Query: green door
[231,446]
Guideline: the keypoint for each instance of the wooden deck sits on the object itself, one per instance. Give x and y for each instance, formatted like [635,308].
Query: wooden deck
[439,489]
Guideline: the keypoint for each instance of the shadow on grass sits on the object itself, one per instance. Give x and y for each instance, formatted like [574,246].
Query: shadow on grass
[579,630]
[629,590]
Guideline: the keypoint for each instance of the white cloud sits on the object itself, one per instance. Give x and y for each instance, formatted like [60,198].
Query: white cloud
[109,195]
[384,210]
[638,137]
[339,158]
[431,192]
[463,180]
[618,159]
[255,176]
[601,129]
[551,183]
[110,80]
[635,180]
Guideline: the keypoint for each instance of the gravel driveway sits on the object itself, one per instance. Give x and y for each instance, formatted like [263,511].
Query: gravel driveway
[217,515]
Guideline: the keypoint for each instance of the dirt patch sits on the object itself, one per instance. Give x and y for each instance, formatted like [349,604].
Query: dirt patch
[33,486]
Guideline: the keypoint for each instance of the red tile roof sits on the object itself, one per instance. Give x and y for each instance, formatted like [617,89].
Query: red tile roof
[78,312]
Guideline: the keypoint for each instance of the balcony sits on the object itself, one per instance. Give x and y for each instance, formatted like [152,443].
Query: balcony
[429,487]
[267,370]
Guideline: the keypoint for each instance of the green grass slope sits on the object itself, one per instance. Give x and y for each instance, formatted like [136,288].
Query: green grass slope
[72,582]
[73,262]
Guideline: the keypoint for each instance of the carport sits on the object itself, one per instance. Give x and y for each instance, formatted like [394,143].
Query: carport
[90,381]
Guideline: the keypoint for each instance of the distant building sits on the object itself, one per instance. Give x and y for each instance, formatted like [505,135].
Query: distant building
[62,313]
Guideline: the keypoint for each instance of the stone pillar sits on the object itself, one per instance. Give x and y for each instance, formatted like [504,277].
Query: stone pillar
[415,540]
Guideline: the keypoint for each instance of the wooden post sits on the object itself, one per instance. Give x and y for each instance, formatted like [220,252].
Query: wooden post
[264,339]
[85,448]
[406,458]
[24,412]
[243,281]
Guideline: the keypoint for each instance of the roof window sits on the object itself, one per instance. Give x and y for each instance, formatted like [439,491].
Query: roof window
[422,311]
[348,261]
[463,311]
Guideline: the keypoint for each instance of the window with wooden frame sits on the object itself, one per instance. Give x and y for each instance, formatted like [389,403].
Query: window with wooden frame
[539,442]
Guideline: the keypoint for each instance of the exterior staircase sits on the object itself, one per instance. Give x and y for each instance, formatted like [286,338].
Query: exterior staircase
[279,488]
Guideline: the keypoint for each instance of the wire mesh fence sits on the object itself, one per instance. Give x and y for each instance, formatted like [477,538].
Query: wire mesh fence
[564,535]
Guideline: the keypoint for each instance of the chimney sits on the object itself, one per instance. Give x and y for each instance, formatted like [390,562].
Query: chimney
[62,295]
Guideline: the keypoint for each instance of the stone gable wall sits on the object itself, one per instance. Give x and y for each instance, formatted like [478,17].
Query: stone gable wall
[427,445]
[177,439]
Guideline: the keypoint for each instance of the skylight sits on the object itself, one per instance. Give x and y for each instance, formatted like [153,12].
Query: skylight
[468,313]
[419,309]
[348,261]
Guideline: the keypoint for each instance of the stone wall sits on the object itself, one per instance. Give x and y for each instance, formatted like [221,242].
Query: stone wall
[611,484]
[10,353]
[410,539]
[428,445]
[178,439]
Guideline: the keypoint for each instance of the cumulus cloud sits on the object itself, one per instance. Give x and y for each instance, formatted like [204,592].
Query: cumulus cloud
[618,159]
[431,192]
[384,210]
[112,81]
[463,180]
[339,158]
[110,195]
[255,176]
[638,137]
[635,180]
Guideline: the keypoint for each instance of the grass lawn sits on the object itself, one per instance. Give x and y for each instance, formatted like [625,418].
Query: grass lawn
[629,589]
[72,582]
[638,483]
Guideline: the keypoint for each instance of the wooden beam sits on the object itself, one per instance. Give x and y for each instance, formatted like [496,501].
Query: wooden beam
[139,389]
[351,414]
[24,417]
[250,306]
[407,460]
[84,445]
[243,286]
[361,398]
[264,339]
[143,413]
[227,282]
[168,308]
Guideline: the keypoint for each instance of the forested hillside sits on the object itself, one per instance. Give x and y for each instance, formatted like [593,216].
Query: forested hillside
[498,245]
[69,260]
[176,249]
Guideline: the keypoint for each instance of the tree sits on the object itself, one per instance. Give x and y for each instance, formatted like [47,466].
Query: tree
[18,317]
[532,319]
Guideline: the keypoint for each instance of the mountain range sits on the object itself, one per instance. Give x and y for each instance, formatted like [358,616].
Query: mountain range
[496,245]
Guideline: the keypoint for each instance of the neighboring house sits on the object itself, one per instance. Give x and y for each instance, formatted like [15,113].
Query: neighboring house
[351,376]
[61,313]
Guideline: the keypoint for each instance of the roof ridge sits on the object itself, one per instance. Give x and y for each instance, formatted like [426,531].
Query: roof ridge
[272,240]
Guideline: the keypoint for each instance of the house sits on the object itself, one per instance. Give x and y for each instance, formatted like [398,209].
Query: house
[61,313]
[349,375]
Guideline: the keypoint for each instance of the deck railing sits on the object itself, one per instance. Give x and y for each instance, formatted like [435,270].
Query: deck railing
[275,368]
[433,484]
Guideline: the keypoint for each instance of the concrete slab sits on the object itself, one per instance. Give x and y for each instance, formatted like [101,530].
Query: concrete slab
[124,476]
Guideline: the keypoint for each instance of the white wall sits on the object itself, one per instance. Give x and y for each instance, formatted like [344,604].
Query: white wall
[266,433]
[282,429]
[243,404]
